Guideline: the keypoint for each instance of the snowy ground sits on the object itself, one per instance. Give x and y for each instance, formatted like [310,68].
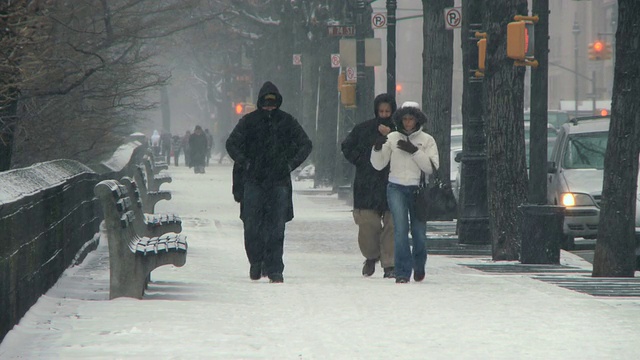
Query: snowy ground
[209,309]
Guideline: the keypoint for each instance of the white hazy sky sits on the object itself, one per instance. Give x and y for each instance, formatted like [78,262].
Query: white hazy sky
[209,309]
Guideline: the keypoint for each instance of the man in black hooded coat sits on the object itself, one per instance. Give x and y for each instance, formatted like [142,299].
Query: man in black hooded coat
[370,210]
[266,145]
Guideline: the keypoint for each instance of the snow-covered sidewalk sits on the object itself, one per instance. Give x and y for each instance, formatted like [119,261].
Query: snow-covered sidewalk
[209,309]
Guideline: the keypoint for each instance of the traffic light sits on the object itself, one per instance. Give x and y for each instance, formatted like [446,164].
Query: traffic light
[239,108]
[482,53]
[607,51]
[520,40]
[348,94]
[600,50]
[243,108]
[398,88]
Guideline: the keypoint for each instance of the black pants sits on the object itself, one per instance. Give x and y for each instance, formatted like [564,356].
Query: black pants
[264,212]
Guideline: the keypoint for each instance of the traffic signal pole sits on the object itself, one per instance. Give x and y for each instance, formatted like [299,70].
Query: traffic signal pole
[392,5]
[361,85]
[473,222]
[539,104]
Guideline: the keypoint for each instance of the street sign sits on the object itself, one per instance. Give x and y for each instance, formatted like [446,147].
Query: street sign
[335,60]
[297,59]
[341,30]
[379,20]
[351,74]
[452,18]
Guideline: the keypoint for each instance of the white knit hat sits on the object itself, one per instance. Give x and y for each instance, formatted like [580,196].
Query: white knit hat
[410,104]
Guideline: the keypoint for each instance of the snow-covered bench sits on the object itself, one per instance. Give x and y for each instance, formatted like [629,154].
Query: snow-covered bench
[149,224]
[132,257]
[154,180]
[149,198]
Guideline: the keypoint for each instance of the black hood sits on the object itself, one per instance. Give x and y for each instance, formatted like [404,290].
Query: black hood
[269,88]
[421,118]
[384,98]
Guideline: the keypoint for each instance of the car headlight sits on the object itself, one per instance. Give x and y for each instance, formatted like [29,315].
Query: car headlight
[576,199]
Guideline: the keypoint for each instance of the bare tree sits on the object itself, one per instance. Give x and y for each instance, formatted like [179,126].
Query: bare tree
[615,248]
[85,73]
[437,81]
[504,102]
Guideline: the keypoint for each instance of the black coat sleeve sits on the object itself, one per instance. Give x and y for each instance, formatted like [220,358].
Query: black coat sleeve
[354,149]
[235,142]
[303,144]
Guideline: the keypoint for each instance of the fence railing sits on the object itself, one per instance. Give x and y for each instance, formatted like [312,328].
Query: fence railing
[50,219]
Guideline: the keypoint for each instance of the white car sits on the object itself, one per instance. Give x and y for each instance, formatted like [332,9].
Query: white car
[575,176]
[307,172]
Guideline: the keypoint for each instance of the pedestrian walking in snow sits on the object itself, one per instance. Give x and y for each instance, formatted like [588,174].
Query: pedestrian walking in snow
[186,149]
[370,209]
[266,145]
[408,151]
[198,148]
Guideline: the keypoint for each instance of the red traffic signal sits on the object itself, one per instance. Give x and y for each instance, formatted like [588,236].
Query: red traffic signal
[599,50]
[239,108]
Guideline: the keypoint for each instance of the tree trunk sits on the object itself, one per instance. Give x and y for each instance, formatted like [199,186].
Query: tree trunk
[437,75]
[614,255]
[503,111]
[8,118]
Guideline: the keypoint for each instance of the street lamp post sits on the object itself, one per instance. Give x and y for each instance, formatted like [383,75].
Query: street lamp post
[576,33]
[361,85]
[392,5]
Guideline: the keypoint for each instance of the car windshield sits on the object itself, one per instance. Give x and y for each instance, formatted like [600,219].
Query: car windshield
[585,151]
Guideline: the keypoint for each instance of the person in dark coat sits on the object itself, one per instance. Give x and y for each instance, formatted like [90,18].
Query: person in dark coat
[198,149]
[370,210]
[266,145]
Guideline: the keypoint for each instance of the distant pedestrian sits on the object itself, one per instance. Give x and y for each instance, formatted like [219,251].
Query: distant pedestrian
[223,149]
[165,144]
[186,149]
[370,209]
[409,151]
[198,149]
[266,145]
[155,143]
[210,144]
[177,149]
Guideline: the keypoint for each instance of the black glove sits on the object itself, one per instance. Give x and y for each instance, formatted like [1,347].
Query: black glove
[379,141]
[407,146]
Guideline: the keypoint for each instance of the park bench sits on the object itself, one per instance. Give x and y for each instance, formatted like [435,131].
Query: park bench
[154,180]
[158,165]
[132,257]
[147,224]
[149,198]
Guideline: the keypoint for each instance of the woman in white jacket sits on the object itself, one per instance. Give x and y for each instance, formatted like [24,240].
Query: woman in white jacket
[410,152]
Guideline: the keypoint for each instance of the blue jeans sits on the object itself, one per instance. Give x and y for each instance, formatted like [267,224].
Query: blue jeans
[407,257]
[264,215]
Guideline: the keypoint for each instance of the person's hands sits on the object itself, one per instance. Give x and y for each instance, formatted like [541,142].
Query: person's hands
[379,142]
[384,130]
[407,146]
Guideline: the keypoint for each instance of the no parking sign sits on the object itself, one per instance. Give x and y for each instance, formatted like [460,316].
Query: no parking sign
[452,18]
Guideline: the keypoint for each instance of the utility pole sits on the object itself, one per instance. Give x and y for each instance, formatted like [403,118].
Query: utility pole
[392,5]
[576,33]
[539,104]
[361,85]
[473,224]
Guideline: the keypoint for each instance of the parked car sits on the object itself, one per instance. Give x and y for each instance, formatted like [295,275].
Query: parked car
[555,118]
[575,176]
[307,172]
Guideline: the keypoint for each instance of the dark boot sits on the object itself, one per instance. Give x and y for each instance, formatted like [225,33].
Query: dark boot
[255,271]
[369,267]
[389,272]
[276,278]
